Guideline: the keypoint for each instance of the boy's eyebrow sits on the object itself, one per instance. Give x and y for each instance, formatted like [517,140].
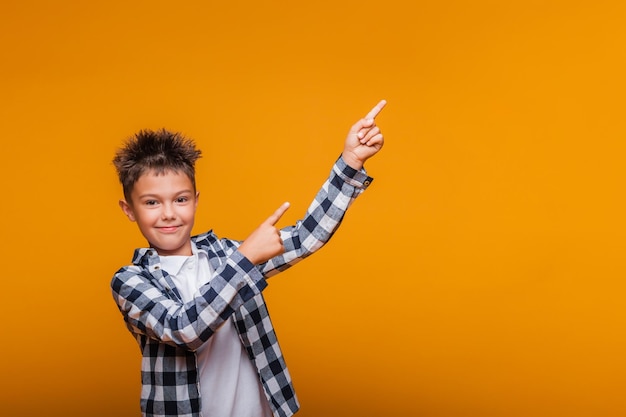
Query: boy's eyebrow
[190,191]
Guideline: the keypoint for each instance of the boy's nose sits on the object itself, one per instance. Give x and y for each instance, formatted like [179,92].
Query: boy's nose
[168,212]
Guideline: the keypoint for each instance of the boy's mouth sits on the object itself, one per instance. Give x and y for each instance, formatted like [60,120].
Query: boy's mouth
[168,229]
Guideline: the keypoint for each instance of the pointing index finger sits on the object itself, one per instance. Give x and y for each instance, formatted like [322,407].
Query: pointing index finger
[377,108]
[275,217]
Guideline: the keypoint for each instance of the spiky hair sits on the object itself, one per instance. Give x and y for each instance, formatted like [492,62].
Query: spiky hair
[159,151]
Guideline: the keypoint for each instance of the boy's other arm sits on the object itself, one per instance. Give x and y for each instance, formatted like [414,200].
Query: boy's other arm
[152,310]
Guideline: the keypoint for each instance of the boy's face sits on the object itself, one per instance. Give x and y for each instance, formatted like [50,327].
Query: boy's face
[164,207]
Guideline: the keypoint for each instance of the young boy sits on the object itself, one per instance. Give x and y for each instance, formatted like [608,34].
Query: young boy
[194,304]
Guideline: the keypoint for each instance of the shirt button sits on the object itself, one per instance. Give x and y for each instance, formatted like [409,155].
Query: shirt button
[366,183]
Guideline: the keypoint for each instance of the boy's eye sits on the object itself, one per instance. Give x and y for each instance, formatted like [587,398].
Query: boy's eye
[151,203]
[182,199]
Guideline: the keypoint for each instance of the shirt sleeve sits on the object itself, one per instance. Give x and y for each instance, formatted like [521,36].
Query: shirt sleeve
[322,218]
[150,307]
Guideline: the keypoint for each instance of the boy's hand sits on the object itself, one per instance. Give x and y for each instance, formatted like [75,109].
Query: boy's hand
[265,242]
[364,139]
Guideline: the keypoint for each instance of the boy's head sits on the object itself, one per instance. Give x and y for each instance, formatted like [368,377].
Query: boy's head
[157,172]
[157,151]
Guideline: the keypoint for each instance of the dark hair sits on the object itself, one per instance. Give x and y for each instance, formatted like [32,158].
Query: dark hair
[160,151]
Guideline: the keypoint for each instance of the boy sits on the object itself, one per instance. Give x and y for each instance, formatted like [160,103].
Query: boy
[194,304]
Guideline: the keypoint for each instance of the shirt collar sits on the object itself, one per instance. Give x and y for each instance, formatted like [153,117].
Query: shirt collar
[149,258]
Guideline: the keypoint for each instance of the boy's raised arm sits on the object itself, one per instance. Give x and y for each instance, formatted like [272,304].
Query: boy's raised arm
[364,141]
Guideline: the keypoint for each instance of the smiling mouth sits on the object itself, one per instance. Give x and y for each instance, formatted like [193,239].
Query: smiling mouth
[168,229]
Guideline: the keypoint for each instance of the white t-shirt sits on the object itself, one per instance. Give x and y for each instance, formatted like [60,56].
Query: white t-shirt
[229,384]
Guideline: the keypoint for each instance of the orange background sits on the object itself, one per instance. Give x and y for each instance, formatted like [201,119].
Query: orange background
[481,275]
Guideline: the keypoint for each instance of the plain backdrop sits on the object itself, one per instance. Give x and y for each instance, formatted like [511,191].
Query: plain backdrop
[481,275]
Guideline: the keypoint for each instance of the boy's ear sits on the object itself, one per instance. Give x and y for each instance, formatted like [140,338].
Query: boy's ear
[197,197]
[128,210]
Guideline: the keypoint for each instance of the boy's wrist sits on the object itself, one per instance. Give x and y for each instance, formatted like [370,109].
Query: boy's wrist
[239,262]
[351,160]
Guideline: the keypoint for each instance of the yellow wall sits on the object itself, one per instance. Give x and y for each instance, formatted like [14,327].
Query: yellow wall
[481,275]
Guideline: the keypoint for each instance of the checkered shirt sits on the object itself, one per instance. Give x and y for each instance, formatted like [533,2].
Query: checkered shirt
[169,331]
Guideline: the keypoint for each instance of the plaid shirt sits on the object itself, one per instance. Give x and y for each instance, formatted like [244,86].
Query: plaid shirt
[168,331]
